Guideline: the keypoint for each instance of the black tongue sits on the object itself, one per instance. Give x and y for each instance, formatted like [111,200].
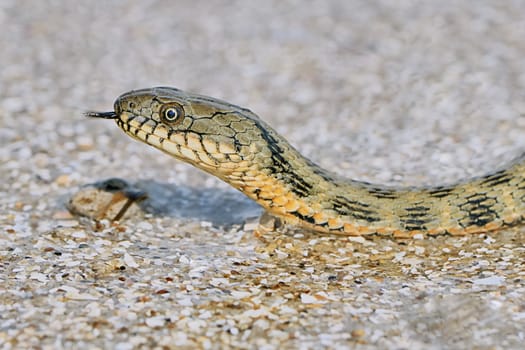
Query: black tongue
[104,115]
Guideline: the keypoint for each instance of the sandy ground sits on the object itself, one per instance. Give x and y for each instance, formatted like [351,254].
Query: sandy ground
[398,93]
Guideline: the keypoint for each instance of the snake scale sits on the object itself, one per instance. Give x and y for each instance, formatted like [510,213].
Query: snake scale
[235,145]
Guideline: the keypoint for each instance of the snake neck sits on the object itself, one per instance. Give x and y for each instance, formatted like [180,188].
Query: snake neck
[289,185]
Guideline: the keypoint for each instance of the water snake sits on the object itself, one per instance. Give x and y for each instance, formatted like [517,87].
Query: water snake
[235,145]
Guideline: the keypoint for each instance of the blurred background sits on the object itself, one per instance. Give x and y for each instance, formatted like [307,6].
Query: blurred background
[352,84]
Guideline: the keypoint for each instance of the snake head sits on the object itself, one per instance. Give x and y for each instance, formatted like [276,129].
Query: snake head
[211,134]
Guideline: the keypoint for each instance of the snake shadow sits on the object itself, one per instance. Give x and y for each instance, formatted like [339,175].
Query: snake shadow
[221,207]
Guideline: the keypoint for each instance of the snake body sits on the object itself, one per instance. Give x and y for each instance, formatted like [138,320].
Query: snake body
[235,145]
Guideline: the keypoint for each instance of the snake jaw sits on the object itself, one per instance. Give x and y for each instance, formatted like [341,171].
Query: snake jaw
[103,115]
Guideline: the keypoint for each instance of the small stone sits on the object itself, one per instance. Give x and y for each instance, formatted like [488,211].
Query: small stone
[357,239]
[124,346]
[19,205]
[145,226]
[490,281]
[62,215]
[358,333]
[240,294]
[156,321]
[63,180]
[280,254]
[40,277]
[130,261]
[84,143]
[311,299]
[218,281]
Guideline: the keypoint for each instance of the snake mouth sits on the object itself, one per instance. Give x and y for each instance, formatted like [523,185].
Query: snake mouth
[103,115]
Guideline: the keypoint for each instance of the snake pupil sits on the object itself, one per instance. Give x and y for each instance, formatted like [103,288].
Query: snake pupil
[171,114]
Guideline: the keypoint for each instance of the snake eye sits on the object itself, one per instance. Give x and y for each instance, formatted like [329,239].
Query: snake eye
[172,113]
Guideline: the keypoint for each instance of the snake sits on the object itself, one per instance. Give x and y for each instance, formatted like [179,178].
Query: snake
[235,145]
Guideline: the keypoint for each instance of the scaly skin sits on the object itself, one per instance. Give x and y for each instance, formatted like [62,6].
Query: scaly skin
[235,145]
